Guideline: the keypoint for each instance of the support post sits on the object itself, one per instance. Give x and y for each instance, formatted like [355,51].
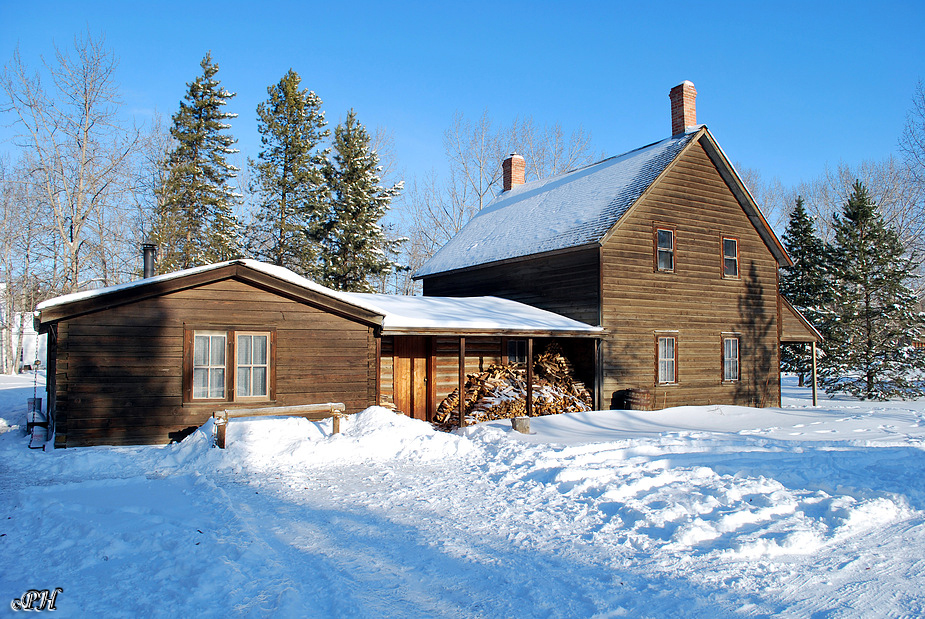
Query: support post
[813,347]
[378,400]
[462,382]
[529,377]
[598,376]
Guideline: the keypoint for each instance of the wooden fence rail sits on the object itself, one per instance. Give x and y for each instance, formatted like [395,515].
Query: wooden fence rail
[312,412]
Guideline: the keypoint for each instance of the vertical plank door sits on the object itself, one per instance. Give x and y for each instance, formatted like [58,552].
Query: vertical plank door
[410,375]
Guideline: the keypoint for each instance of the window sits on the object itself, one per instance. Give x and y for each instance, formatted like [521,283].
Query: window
[253,365]
[664,249]
[667,360]
[517,351]
[730,358]
[209,365]
[730,258]
[229,365]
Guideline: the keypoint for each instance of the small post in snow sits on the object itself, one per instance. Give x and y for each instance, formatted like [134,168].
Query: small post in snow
[521,424]
[221,423]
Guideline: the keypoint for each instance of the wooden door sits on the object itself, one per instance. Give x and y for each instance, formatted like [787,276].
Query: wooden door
[410,375]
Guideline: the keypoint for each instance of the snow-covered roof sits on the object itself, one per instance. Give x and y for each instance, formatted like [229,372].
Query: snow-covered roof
[569,210]
[86,295]
[463,314]
[400,314]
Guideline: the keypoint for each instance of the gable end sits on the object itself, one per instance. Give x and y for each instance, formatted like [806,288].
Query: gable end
[741,193]
[234,270]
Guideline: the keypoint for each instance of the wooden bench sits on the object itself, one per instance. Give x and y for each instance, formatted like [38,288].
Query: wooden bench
[312,412]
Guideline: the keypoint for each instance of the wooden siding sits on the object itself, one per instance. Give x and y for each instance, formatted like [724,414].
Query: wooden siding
[443,367]
[793,328]
[695,300]
[480,353]
[119,371]
[567,283]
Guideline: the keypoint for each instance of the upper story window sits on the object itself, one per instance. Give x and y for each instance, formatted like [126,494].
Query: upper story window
[730,257]
[667,350]
[664,249]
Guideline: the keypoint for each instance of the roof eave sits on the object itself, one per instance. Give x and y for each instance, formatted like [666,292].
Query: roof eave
[743,196]
[701,130]
[809,326]
[495,263]
[597,332]
[232,270]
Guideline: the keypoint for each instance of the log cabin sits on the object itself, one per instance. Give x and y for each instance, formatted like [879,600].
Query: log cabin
[663,247]
[150,361]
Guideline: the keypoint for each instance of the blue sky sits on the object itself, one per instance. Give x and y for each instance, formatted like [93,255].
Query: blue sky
[785,87]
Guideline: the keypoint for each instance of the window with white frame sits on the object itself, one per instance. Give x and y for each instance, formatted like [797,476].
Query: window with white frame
[229,365]
[209,365]
[730,258]
[667,359]
[253,365]
[730,358]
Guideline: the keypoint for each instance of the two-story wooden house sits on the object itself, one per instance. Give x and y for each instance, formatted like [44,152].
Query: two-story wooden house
[664,247]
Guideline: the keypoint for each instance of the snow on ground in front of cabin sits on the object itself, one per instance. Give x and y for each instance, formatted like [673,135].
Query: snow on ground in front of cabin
[691,512]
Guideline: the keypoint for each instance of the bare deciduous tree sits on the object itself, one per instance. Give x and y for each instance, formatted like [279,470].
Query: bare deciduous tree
[74,136]
[912,142]
[891,188]
[23,243]
[773,198]
[547,150]
[435,208]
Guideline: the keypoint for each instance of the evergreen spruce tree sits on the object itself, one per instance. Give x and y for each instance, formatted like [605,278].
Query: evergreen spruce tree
[875,318]
[289,177]
[195,223]
[354,245]
[805,284]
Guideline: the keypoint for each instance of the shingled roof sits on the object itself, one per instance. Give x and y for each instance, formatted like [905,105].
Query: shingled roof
[577,208]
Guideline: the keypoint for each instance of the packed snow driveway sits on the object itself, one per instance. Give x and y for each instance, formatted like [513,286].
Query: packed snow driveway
[699,512]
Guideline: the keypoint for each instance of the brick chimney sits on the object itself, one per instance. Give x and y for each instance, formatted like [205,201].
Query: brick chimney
[683,107]
[514,171]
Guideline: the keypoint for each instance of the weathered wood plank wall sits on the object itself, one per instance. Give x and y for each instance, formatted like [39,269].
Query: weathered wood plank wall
[119,374]
[567,283]
[695,299]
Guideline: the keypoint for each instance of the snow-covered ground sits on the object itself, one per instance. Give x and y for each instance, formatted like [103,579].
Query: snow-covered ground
[692,512]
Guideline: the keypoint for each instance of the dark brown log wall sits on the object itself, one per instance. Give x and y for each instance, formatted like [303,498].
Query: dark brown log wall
[567,283]
[695,300]
[119,372]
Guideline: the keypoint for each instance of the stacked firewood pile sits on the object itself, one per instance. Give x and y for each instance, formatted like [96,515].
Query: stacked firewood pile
[500,392]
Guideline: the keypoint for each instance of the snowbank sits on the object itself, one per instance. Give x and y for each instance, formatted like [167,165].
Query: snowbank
[695,511]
